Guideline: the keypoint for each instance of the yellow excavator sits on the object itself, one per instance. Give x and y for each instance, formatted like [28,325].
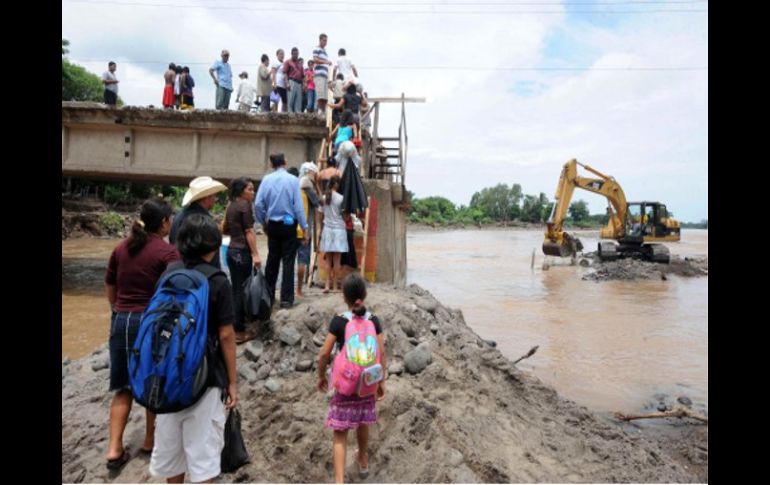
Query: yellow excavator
[636,227]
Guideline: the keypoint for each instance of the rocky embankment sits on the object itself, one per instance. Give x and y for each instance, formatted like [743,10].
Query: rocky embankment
[455,410]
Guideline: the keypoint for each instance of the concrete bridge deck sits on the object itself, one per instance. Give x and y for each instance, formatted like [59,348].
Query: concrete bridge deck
[167,146]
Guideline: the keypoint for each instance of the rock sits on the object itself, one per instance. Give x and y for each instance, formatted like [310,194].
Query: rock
[491,343]
[434,329]
[247,372]
[662,407]
[319,339]
[272,385]
[407,326]
[100,364]
[427,304]
[414,341]
[684,400]
[289,335]
[313,321]
[303,365]
[454,457]
[396,368]
[263,371]
[418,359]
[253,350]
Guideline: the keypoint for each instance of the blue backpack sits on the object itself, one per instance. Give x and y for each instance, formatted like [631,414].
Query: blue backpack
[172,357]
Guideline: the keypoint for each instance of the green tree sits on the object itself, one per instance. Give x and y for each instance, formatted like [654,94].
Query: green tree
[533,207]
[433,209]
[499,202]
[77,84]
[578,211]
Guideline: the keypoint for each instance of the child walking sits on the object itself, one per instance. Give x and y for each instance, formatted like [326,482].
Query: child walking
[352,411]
[334,237]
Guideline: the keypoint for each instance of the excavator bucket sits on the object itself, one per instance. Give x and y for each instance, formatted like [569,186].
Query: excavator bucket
[556,249]
[569,246]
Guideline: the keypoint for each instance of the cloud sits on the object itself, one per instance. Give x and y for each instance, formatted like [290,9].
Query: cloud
[483,123]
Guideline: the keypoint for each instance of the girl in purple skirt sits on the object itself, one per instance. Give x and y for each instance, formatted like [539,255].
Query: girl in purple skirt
[350,412]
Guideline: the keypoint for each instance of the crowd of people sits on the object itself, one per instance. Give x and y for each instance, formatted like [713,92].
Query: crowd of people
[287,205]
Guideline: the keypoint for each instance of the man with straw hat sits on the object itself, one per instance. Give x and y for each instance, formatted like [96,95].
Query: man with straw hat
[199,199]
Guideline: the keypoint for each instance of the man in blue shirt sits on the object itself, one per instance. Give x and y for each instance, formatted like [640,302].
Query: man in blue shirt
[223,80]
[279,209]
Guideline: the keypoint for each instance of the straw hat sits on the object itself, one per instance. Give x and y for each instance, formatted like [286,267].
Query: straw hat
[202,187]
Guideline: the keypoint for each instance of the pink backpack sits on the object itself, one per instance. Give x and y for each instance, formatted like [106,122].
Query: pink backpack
[357,369]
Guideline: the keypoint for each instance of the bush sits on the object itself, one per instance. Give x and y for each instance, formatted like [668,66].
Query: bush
[113,222]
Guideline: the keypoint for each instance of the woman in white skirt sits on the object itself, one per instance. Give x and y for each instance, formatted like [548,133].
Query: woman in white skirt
[334,237]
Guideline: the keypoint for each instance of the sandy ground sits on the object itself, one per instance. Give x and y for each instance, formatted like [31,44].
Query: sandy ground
[468,416]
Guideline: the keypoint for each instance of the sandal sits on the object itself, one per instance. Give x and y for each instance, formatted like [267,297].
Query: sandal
[117,463]
[362,472]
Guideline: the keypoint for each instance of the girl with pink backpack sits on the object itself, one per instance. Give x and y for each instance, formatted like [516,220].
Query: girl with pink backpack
[357,376]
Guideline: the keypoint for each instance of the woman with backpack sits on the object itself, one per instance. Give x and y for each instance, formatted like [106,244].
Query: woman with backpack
[357,376]
[134,268]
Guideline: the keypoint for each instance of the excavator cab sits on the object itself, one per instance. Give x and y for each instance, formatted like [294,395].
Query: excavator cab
[649,222]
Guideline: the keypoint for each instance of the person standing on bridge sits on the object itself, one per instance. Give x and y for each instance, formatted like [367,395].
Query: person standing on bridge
[199,199]
[168,90]
[110,85]
[321,73]
[293,70]
[223,80]
[279,79]
[264,84]
[279,210]
[247,92]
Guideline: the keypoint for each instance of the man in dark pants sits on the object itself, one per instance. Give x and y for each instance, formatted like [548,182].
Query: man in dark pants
[199,199]
[279,209]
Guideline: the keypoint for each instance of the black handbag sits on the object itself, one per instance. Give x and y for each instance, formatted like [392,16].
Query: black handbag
[234,454]
[256,298]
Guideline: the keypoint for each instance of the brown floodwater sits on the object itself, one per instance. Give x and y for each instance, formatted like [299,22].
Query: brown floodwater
[84,307]
[609,345]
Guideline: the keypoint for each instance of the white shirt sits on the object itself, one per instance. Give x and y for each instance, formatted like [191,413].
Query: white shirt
[108,76]
[345,67]
[333,212]
[280,76]
[246,93]
[176,83]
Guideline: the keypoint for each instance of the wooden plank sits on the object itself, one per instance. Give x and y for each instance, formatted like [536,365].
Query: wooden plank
[366,236]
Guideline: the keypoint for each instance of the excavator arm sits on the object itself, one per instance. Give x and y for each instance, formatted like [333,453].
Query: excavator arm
[559,243]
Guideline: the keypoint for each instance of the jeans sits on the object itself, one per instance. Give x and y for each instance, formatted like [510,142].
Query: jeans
[264,103]
[311,100]
[281,249]
[239,262]
[295,96]
[124,327]
[223,97]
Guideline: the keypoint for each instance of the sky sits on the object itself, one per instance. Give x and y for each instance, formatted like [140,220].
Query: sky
[513,88]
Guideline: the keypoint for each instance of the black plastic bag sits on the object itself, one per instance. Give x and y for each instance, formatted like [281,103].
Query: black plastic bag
[234,454]
[256,297]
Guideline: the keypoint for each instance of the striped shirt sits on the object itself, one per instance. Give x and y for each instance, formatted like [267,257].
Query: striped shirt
[319,69]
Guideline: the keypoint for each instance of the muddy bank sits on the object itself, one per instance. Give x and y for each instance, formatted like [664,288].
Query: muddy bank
[88,218]
[636,269]
[456,410]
